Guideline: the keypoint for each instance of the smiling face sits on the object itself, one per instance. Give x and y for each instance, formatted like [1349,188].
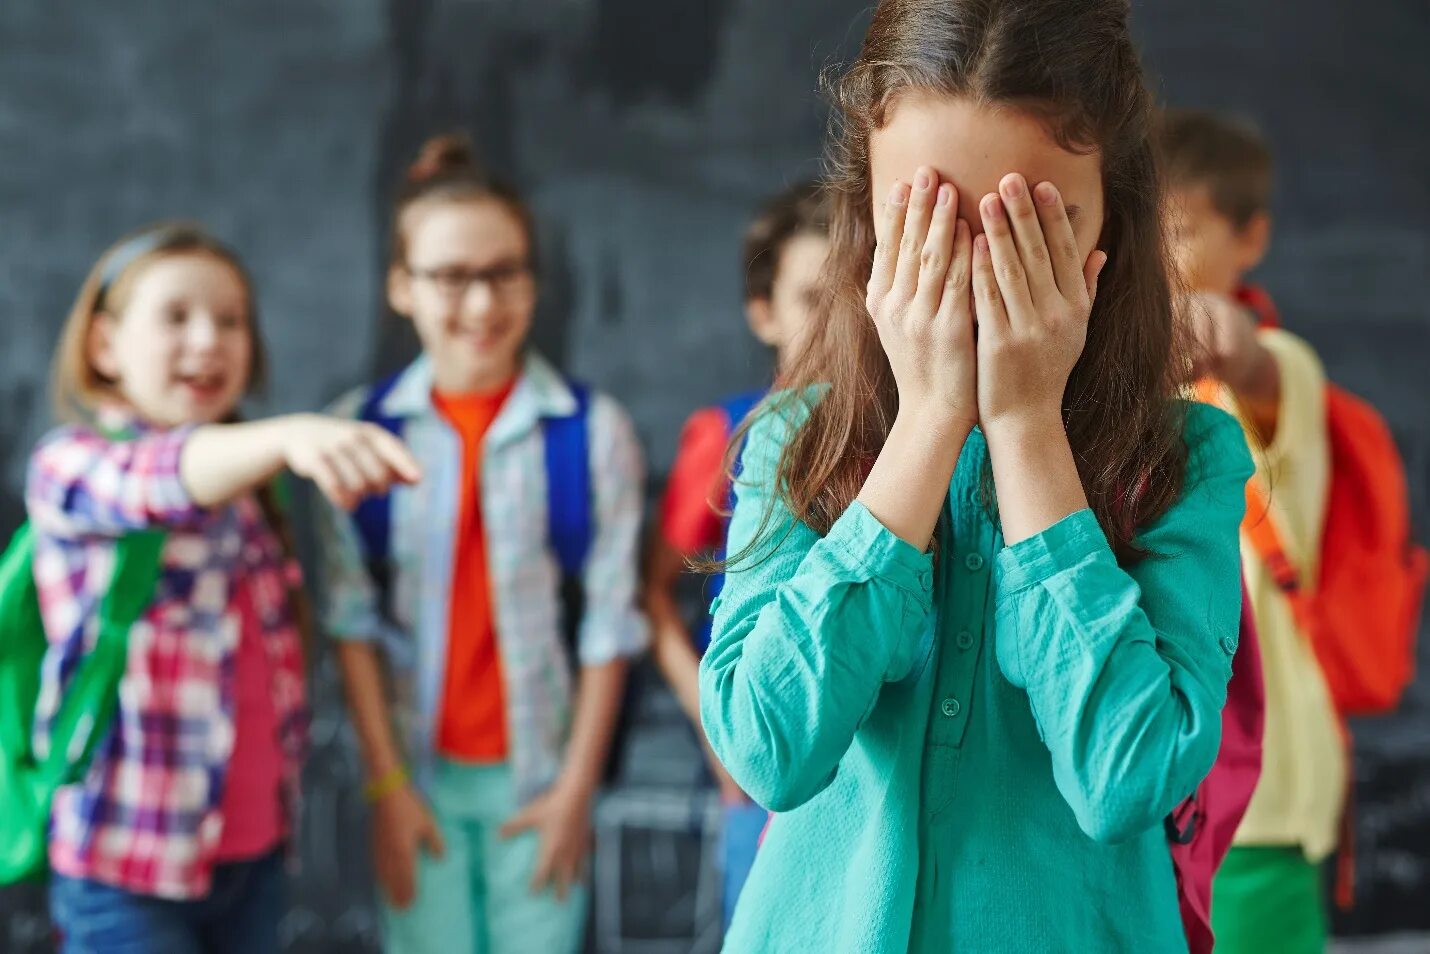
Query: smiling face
[467,286]
[178,347]
[973,147]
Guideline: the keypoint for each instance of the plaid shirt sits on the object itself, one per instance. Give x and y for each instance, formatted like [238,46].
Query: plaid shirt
[524,574]
[145,817]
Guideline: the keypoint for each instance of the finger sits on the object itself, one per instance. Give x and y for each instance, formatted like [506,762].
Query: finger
[1028,236]
[524,820]
[916,225]
[432,841]
[938,249]
[1092,271]
[955,308]
[987,300]
[1007,267]
[542,877]
[345,472]
[1062,244]
[402,880]
[331,486]
[376,475]
[889,229]
[395,454]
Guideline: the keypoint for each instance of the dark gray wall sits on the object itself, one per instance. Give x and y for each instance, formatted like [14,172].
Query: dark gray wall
[644,131]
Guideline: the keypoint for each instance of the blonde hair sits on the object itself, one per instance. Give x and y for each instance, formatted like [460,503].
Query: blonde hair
[78,386]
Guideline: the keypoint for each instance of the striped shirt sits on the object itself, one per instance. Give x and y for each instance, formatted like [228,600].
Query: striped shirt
[523,572]
[146,815]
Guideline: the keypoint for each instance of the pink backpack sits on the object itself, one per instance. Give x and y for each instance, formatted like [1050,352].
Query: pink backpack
[1201,828]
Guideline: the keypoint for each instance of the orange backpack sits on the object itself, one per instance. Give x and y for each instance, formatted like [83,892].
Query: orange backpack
[1363,612]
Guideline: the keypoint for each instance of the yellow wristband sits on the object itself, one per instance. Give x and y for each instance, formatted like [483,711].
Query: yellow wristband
[385,784]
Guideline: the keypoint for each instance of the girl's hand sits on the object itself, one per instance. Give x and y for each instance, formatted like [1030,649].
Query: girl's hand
[402,826]
[1033,293]
[918,298]
[562,819]
[348,460]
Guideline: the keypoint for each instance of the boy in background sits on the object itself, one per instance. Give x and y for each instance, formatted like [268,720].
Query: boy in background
[785,249]
[1268,894]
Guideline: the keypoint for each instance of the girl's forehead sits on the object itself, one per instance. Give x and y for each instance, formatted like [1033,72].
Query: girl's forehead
[482,227]
[973,146]
[187,274]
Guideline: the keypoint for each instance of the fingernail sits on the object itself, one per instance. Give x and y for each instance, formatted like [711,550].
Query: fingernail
[1046,193]
[922,180]
[945,193]
[993,207]
[1013,187]
[898,194]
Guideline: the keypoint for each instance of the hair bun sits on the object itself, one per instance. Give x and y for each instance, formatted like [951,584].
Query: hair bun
[443,155]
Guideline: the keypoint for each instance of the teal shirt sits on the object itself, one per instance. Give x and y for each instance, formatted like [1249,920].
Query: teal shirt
[973,753]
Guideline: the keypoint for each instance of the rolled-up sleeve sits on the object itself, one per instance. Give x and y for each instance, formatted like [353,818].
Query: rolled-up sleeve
[807,630]
[81,483]
[351,610]
[612,625]
[1126,669]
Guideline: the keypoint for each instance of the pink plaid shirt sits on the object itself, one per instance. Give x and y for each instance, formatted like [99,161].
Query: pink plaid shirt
[146,815]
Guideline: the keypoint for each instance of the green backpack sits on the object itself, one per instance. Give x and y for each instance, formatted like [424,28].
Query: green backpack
[27,784]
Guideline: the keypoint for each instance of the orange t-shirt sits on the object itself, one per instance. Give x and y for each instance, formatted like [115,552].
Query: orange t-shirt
[471,723]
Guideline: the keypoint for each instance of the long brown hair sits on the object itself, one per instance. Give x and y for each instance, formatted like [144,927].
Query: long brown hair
[1070,63]
[78,386]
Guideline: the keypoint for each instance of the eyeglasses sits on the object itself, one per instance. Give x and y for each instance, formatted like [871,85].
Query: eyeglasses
[505,279]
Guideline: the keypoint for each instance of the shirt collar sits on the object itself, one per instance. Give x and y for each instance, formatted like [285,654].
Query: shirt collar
[540,391]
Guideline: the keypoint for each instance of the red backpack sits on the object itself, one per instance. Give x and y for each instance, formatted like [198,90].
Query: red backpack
[1362,614]
[1201,828]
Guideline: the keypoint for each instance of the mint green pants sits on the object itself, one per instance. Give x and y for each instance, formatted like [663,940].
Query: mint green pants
[1268,899]
[476,899]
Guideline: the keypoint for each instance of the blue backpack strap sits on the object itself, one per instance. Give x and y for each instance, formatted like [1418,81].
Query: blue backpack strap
[373,517]
[736,409]
[569,506]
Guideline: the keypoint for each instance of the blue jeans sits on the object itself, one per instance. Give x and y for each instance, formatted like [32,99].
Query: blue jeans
[239,915]
[739,840]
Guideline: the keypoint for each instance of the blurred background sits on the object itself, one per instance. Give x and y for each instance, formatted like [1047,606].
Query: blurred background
[646,132]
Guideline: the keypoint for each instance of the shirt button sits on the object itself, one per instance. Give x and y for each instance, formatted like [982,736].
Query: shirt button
[950,707]
[975,497]
[974,562]
[965,640]
[926,577]
[1228,645]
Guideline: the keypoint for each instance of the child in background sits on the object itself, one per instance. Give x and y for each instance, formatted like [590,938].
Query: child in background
[172,840]
[484,757]
[1268,894]
[785,249]
[983,590]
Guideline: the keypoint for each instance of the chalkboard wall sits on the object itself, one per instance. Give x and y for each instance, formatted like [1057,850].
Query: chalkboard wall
[645,131]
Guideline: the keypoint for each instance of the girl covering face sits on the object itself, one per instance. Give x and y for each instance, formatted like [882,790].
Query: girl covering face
[983,596]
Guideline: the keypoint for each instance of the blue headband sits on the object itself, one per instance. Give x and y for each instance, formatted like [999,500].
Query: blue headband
[134,249]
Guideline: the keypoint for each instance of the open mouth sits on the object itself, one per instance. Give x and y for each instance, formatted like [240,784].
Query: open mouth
[205,386]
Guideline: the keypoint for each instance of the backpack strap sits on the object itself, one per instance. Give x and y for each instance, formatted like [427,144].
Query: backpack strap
[89,700]
[1260,530]
[373,516]
[570,521]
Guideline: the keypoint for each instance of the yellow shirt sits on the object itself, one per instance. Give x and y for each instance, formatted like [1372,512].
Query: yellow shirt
[1300,795]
